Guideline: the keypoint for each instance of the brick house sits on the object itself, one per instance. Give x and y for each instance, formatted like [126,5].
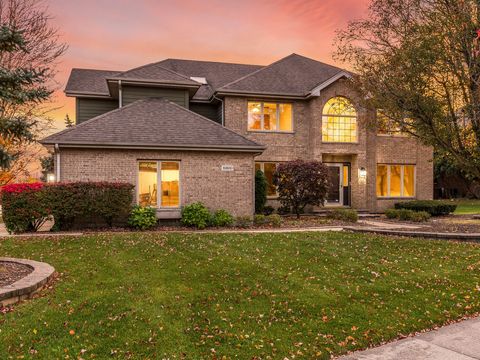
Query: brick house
[186,130]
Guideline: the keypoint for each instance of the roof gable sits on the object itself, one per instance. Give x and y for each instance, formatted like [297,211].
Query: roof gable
[153,123]
[294,75]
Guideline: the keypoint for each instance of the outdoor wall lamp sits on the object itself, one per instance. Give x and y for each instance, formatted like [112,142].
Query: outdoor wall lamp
[362,172]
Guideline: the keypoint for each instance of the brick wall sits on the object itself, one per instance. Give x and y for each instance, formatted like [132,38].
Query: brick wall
[201,178]
[305,142]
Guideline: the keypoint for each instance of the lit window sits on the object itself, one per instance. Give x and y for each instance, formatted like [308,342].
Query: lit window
[395,180]
[147,184]
[151,173]
[339,121]
[268,169]
[269,116]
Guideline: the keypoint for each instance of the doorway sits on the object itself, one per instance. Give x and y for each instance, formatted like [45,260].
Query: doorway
[339,184]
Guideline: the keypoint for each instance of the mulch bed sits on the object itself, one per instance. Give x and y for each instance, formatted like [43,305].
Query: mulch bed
[11,272]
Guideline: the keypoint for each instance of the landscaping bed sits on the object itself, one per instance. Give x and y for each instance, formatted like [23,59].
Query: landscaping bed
[444,224]
[11,272]
[204,295]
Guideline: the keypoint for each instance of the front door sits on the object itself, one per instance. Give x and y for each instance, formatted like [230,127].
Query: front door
[334,194]
[339,181]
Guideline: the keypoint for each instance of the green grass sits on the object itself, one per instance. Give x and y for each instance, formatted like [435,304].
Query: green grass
[239,296]
[467,207]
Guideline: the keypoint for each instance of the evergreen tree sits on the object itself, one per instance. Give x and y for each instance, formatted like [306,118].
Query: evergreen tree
[68,122]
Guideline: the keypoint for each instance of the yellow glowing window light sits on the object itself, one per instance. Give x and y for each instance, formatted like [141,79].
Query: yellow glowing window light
[339,121]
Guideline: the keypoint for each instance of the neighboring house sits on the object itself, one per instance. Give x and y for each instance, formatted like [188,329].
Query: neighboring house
[186,130]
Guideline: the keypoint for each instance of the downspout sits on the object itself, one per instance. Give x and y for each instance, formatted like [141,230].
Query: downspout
[120,95]
[57,163]
[221,103]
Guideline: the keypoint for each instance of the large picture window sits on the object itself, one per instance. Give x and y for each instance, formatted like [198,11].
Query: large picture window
[395,180]
[165,173]
[339,121]
[265,116]
[268,169]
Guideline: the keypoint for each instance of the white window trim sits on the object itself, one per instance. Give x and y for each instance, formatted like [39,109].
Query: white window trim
[402,174]
[277,117]
[159,182]
[262,168]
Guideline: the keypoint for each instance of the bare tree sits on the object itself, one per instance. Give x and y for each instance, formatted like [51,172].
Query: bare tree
[29,65]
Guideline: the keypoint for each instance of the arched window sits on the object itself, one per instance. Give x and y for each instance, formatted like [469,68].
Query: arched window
[339,121]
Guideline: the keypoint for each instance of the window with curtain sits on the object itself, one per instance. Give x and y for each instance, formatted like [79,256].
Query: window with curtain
[165,173]
[339,121]
[269,116]
[395,180]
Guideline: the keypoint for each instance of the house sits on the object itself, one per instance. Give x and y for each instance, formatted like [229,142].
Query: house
[187,130]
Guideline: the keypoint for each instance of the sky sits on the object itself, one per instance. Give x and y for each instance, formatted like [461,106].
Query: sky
[122,34]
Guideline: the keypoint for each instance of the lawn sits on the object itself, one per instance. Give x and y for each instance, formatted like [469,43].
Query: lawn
[467,206]
[302,295]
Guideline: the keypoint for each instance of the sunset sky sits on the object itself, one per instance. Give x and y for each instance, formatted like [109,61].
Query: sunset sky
[121,34]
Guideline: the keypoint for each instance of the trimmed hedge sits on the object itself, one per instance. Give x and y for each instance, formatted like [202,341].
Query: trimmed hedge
[349,215]
[434,208]
[26,206]
[407,215]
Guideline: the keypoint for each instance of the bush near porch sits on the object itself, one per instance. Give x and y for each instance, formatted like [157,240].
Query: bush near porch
[25,207]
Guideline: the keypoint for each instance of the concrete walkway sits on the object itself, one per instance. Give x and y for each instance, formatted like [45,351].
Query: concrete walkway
[460,341]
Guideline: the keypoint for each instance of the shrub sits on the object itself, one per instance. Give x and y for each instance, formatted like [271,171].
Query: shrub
[274,220]
[260,191]
[301,183]
[24,207]
[407,215]
[259,219]
[222,218]
[244,221]
[196,215]
[27,206]
[73,202]
[349,215]
[433,207]
[142,218]
[267,210]
[284,210]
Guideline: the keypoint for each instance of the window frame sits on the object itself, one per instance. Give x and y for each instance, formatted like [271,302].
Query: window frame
[324,114]
[277,117]
[159,205]
[262,168]
[402,185]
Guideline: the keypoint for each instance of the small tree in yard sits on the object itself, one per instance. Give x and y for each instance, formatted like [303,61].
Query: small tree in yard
[260,191]
[301,183]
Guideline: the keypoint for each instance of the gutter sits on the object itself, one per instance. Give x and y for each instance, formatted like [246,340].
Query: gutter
[258,149]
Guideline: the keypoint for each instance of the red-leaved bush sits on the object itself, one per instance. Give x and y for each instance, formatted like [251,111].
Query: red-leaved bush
[301,183]
[26,207]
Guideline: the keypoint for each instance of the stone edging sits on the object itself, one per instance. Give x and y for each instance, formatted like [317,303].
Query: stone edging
[27,286]
[474,237]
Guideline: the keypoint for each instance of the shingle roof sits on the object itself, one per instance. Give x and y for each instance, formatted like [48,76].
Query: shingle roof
[217,74]
[293,75]
[155,72]
[89,81]
[155,123]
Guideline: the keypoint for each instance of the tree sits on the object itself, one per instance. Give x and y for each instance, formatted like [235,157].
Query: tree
[68,122]
[29,50]
[260,191]
[418,62]
[301,183]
